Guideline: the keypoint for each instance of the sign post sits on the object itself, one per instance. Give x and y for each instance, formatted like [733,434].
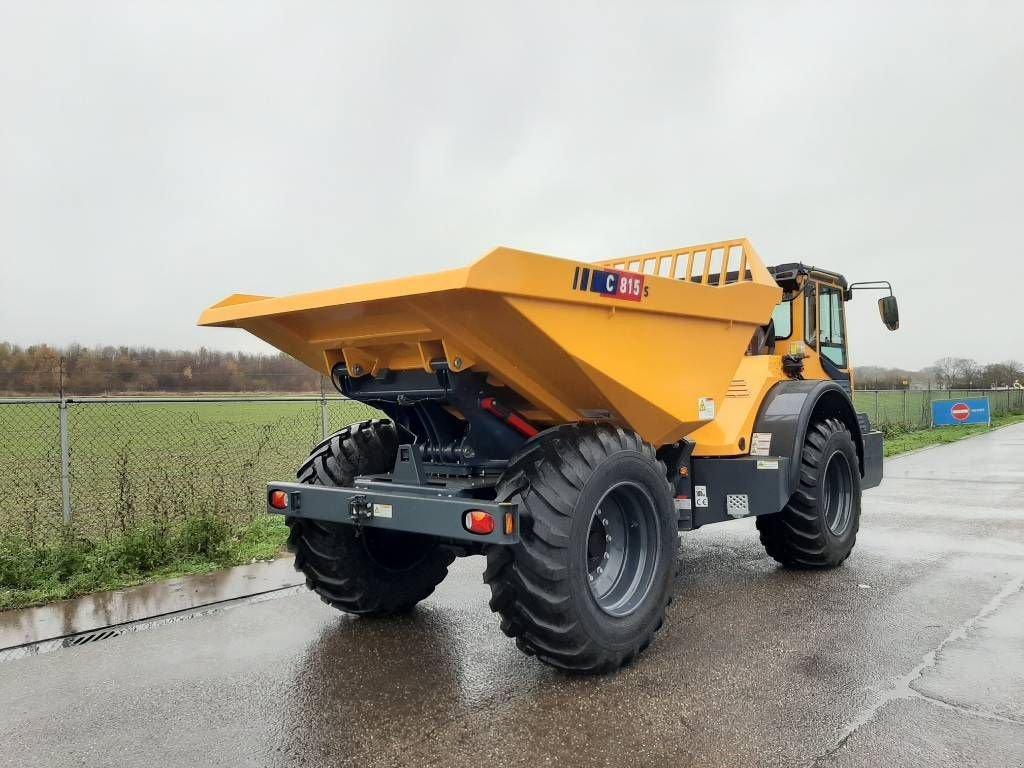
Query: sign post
[951,413]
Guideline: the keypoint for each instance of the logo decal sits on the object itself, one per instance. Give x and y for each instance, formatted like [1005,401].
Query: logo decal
[610,283]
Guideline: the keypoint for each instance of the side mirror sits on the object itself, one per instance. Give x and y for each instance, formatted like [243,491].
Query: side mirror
[890,312]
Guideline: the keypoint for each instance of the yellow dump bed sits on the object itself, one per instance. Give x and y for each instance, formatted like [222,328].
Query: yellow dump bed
[651,341]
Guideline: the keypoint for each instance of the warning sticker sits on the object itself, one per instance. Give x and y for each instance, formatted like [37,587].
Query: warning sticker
[382,510]
[700,495]
[768,464]
[706,408]
[761,444]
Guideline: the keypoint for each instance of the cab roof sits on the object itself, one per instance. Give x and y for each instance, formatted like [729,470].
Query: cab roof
[787,275]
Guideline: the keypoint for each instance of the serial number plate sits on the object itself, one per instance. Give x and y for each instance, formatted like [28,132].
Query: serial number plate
[611,283]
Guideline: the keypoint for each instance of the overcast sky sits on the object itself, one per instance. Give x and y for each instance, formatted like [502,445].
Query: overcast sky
[155,157]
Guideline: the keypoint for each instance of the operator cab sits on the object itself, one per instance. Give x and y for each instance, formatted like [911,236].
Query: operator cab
[808,327]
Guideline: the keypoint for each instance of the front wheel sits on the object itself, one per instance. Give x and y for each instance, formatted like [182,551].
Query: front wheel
[586,587]
[818,527]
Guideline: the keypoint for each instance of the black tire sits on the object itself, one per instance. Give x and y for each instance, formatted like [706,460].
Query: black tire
[543,587]
[369,572]
[818,527]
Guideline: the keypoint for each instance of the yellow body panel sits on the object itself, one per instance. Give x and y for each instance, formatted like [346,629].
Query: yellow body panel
[730,433]
[647,355]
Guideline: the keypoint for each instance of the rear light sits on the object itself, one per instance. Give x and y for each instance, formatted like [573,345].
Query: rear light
[478,521]
[278,500]
[510,524]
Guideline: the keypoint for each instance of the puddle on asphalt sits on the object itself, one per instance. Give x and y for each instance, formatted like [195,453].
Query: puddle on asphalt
[108,609]
[87,638]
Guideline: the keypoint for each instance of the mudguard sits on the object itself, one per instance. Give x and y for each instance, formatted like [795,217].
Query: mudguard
[789,409]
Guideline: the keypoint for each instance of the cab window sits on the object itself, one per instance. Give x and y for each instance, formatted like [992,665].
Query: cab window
[782,319]
[811,315]
[830,312]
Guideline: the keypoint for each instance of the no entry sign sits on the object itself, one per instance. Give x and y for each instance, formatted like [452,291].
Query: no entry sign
[947,413]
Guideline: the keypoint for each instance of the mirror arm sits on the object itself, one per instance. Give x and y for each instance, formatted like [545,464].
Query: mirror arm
[868,285]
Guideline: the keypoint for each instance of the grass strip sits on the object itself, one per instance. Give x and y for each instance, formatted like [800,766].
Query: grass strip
[899,439]
[70,566]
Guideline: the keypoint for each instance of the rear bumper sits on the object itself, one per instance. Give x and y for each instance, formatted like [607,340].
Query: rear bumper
[874,450]
[433,511]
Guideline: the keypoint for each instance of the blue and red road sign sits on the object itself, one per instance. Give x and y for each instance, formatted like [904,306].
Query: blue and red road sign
[949,413]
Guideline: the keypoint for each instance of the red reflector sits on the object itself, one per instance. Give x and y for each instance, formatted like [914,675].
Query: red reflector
[279,500]
[477,521]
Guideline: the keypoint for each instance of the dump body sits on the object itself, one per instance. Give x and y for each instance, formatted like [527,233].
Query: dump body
[650,341]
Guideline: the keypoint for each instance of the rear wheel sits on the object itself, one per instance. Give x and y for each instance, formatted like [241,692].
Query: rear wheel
[586,587]
[368,571]
[818,527]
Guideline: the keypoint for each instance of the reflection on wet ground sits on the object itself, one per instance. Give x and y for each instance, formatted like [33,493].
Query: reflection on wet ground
[360,681]
[107,609]
[909,654]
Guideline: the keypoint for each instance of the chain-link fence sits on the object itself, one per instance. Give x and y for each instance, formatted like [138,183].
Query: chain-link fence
[912,408]
[97,468]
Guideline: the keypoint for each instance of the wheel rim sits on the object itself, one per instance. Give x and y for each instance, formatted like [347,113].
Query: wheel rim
[838,493]
[623,549]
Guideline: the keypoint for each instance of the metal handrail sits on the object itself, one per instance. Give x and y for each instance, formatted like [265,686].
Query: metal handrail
[681,263]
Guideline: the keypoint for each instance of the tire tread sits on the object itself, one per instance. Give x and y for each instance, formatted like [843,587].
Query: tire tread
[529,582]
[324,552]
[797,537]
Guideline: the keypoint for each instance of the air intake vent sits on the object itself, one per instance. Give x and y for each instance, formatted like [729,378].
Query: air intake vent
[738,388]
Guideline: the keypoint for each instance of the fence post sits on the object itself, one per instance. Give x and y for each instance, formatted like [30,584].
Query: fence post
[325,426]
[65,462]
[905,415]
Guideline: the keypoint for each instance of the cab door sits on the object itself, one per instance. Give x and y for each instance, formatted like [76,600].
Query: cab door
[826,330]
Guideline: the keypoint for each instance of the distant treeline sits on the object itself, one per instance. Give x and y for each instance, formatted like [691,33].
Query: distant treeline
[947,373]
[36,370]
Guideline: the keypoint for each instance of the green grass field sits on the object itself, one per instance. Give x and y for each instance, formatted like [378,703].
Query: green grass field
[133,462]
[157,489]
[163,489]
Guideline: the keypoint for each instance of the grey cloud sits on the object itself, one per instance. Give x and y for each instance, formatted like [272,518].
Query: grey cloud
[156,157]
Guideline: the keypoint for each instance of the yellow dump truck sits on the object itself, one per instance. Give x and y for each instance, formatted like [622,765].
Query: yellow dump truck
[566,419]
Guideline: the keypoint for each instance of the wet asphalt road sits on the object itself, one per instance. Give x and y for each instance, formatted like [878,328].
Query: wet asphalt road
[910,654]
